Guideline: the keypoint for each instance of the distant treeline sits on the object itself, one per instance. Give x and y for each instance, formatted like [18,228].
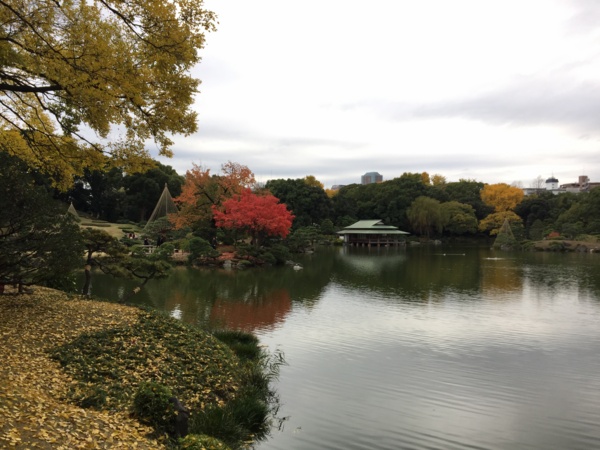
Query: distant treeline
[412,202]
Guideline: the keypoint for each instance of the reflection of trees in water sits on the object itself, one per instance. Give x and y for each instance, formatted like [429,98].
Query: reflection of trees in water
[551,272]
[199,294]
[408,275]
[411,275]
[262,312]
[501,276]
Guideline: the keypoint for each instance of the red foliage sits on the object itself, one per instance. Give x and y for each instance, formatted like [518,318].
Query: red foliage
[201,191]
[260,215]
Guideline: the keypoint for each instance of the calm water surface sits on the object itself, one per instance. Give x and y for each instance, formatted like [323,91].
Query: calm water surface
[418,348]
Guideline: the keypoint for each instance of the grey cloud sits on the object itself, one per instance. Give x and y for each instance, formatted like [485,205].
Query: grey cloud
[528,102]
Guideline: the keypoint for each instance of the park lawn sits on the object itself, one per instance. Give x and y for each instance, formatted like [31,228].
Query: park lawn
[38,396]
[116,230]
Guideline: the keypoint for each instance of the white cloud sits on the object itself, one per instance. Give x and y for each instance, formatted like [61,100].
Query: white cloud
[497,91]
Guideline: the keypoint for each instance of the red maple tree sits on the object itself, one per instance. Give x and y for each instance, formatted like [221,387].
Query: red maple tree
[201,191]
[258,215]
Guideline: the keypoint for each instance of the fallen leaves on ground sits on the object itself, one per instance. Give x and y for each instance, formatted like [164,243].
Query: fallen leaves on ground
[110,365]
[33,412]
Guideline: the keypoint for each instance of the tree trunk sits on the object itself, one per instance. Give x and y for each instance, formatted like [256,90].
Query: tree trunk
[88,280]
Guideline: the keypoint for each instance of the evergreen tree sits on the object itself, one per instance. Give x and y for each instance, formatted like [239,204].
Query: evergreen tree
[40,242]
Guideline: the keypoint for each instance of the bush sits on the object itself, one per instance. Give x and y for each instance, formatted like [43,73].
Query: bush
[199,248]
[244,264]
[216,421]
[235,422]
[251,411]
[201,442]
[280,252]
[93,397]
[528,245]
[267,257]
[152,406]
[244,345]
[246,251]
[556,246]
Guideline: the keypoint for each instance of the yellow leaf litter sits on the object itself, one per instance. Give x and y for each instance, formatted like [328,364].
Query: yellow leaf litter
[33,414]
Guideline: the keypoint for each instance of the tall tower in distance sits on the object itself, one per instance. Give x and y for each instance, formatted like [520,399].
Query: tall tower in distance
[371,177]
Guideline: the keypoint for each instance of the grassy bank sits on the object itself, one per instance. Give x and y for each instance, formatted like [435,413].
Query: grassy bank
[73,369]
[565,245]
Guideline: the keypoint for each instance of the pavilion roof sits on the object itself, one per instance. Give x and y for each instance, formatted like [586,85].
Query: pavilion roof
[371,227]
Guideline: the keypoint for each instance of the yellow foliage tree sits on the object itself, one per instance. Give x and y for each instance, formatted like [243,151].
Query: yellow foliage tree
[89,83]
[312,181]
[501,196]
[494,221]
[438,180]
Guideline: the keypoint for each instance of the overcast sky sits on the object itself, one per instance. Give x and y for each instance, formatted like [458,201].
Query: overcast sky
[496,91]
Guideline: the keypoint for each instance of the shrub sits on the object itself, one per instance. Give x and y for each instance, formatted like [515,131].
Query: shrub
[235,422]
[246,251]
[216,421]
[244,264]
[250,412]
[528,245]
[280,252]
[93,397]
[244,345]
[267,257]
[201,442]
[152,406]
[199,248]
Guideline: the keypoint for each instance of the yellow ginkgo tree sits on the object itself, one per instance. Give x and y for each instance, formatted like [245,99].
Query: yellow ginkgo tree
[503,198]
[86,83]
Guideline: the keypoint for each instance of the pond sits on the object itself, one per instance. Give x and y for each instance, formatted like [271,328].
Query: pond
[435,347]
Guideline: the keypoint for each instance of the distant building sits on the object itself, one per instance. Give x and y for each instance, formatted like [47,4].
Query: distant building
[337,187]
[371,177]
[583,185]
[551,184]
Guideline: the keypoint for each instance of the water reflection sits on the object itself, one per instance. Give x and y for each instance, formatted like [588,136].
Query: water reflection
[410,275]
[419,348]
[251,299]
[262,298]
[262,312]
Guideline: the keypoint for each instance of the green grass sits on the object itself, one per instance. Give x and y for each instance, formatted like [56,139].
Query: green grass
[245,345]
